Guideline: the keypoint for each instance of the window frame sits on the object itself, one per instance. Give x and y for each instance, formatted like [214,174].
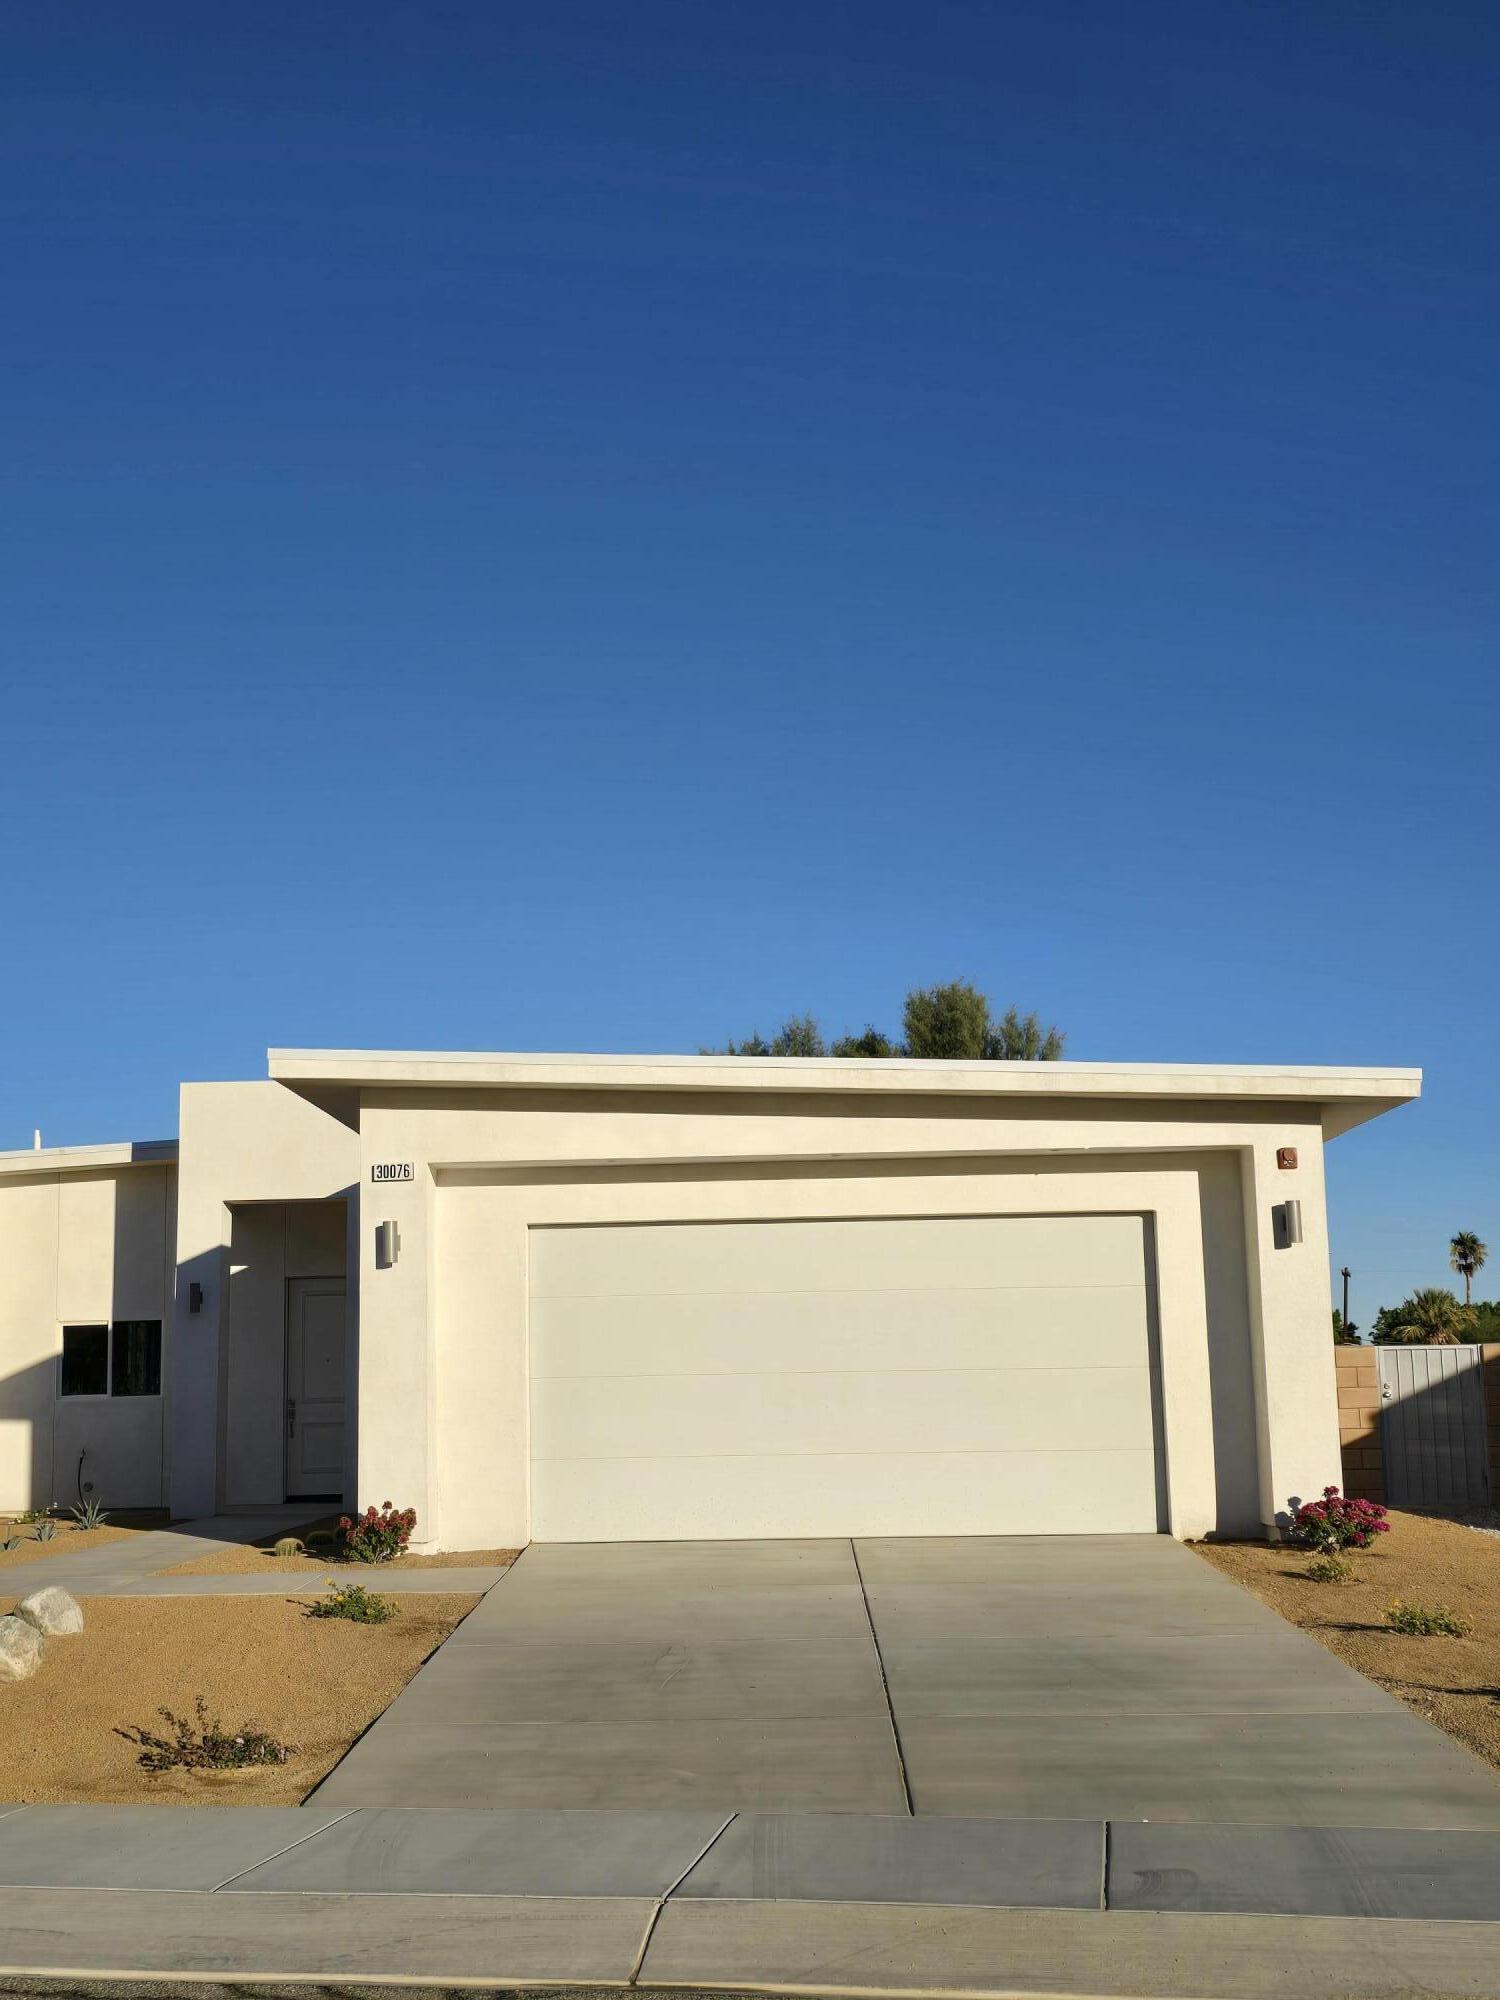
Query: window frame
[109,1393]
[104,1326]
[116,1328]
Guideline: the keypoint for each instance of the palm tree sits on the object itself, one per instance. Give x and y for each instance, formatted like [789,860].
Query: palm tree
[1467,1254]
[1435,1319]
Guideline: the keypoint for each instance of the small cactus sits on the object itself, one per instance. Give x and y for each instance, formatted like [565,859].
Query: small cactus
[289,1546]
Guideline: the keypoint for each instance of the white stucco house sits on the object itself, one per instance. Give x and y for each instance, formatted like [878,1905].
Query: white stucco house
[617,1298]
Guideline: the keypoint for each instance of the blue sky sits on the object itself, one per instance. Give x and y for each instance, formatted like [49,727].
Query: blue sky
[598,526]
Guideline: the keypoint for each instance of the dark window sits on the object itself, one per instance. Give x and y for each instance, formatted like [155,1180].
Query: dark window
[85,1361]
[137,1368]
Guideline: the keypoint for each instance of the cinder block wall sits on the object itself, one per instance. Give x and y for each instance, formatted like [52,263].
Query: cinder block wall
[1359,1419]
[1359,1422]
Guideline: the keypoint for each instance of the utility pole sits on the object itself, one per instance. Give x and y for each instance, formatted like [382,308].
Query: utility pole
[1344,1274]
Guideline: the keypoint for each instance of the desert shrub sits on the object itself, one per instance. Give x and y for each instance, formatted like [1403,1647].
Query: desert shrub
[378,1535]
[89,1515]
[1329,1568]
[1425,1621]
[289,1546]
[203,1744]
[354,1602]
[44,1531]
[1336,1522]
[32,1515]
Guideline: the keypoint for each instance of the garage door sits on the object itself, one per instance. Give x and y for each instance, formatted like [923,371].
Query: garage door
[965,1375]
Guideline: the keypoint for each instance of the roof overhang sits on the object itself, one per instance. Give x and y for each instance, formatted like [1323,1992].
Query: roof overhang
[89,1159]
[1344,1097]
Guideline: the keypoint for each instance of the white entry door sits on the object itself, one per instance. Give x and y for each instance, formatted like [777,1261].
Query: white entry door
[980,1375]
[315,1389]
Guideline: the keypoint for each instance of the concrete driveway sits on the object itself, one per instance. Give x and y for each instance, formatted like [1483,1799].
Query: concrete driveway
[1099,1677]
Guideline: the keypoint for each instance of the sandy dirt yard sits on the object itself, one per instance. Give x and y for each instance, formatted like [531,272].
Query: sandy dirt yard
[1454,1683]
[316,1683]
[69,1540]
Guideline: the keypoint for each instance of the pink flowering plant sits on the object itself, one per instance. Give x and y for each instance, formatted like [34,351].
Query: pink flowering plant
[378,1535]
[1337,1522]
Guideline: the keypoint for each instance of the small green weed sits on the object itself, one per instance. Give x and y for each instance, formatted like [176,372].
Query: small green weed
[354,1602]
[1329,1568]
[203,1744]
[1425,1621]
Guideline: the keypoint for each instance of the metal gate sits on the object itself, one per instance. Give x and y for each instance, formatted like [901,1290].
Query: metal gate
[1432,1429]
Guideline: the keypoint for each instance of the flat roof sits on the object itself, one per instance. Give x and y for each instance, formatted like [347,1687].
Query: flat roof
[85,1159]
[1358,1093]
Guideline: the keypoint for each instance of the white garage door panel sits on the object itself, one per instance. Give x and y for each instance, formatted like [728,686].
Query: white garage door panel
[1027,1493]
[961,1410]
[865,1256]
[1020,1326]
[977,1375]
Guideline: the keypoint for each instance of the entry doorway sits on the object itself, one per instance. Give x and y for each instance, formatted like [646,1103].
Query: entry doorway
[315,1337]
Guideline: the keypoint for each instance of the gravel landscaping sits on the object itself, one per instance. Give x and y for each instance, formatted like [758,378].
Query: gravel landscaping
[1426,1561]
[316,1684]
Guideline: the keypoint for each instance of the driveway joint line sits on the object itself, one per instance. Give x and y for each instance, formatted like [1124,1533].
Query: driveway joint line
[885,1686]
[671,1889]
[301,1841]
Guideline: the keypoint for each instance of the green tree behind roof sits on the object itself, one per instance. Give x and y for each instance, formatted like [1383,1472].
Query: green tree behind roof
[948,1023]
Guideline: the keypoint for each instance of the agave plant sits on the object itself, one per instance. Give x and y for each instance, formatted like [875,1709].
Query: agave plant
[89,1515]
[1434,1318]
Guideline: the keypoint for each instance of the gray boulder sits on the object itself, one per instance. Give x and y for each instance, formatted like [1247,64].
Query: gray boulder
[55,1612]
[20,1648]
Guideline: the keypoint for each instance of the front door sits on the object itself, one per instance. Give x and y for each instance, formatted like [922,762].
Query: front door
[315,1389]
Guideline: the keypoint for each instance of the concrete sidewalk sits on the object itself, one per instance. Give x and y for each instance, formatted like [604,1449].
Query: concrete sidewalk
[819,1903]
[117,1568]
[134,1568]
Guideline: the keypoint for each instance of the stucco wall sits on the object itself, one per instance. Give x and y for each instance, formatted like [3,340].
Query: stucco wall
[1247,1373]
[80,1248]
